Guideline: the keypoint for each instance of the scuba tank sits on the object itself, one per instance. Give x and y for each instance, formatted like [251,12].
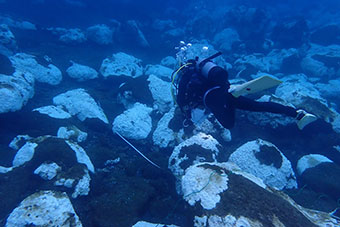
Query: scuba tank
[189,83]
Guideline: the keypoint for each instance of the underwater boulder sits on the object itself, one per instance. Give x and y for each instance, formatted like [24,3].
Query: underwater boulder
[290,34]
[331,89]
[148,224]
[81,72]
[24,25]
[53,111]
[73,133]
[163,135]
[15,90]
[79,103]
[159,71]
[326,35]
[69,36]
[5,169]
[311,161]
[336,123]
[134,123]
[169,62]
[130,34]
[82,187]
[205,122]
[321,61]
[50,119]
[250,64]
[295,87]
[45,163]
[126,98]
[175,34]
[44,208]
[195,178]
[121,200]
[320,174]
[277,58]
[272,120]
[250,23]
[19,141]
[6,65]
[270,63]
[133,30]
[162,25]
[225,39]
[315,68]
[26,152]
[300,92]
[222,195]
[8,45]
[132,90]
[121,64]
[35,156]
[48,171]
[170,130]
[161,93]
[337,148]
[27,63]
[198,148]
[100,34]
[200,25]
[265,161]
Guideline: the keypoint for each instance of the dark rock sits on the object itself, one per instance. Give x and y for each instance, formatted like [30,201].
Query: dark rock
[201,26]
[269,155]
[123,204]
[291,64]
[5,65]
[21,181]
[327,35]
[250,23]
[290,34]
[244,197]
[323,178]
[192,152]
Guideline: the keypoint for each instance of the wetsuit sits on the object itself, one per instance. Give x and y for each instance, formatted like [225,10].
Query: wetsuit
[222,104]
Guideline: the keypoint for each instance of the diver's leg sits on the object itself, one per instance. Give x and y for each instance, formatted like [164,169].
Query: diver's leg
[303,118]
[217,102]
[272,107]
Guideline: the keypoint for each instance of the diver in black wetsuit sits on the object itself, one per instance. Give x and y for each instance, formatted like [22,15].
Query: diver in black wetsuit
[202,83]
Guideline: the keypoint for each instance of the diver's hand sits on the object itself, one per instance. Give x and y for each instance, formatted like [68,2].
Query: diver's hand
[233,88]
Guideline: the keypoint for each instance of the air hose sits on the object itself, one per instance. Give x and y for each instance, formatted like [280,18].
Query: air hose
[139,152]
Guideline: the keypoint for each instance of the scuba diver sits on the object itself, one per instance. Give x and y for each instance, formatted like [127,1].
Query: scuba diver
[201,84]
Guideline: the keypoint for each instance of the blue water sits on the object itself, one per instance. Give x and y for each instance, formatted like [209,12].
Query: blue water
[134,190]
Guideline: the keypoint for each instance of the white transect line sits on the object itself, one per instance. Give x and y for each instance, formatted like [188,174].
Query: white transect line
[137,150]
